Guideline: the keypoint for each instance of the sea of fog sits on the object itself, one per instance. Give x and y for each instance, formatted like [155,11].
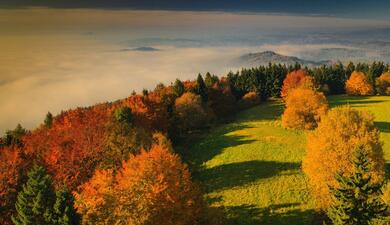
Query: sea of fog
[52,59]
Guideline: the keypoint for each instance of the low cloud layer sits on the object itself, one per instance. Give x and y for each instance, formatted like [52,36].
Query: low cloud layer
[53,60]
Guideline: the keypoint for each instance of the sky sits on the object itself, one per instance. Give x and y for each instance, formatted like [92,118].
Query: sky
[59,58]
[340,8]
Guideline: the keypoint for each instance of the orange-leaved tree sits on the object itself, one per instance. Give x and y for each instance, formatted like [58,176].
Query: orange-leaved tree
[13,167]
[151,188]
[304,109]
[295,79]
[358,84]
[331,146]
[383,84]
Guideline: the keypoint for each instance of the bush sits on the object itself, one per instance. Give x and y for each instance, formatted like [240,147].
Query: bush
[383,84]
[295,79]
[330,148]
[151,187]
[249,99]
[358,84]
[304,109]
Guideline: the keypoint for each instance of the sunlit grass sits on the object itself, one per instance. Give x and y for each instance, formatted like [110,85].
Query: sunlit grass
[252,167]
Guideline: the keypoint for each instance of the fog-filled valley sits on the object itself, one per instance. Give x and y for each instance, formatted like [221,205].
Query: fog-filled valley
[56,59]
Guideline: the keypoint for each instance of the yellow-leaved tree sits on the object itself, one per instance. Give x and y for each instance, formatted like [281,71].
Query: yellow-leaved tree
[383,84]
[358,84]
[331,146]
[304,108]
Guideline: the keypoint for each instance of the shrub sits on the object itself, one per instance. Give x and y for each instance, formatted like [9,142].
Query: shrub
[383,84]
[358,84]
[330,148]
[295,79]
[304,109]
[151,187]
[250,99]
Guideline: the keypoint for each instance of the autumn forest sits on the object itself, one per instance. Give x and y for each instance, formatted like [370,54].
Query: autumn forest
[127,161]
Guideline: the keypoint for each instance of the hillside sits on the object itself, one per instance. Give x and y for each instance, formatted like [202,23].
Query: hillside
[263,58]
[251,168]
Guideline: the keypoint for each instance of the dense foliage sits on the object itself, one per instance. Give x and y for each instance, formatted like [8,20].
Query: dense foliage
[383,84]
[331,146]
[296,79]
[356,199]
[304,108]
[359,84]
[151,187]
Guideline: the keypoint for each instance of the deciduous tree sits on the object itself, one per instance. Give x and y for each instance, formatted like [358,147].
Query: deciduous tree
[151,187]
[304,109]
[383,84]
[189,112]
[295,79]
[358,84]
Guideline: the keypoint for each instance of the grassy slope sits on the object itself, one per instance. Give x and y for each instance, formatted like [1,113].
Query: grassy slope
[252,167]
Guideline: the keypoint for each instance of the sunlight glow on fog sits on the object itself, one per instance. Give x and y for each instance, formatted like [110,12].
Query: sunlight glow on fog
[52,60]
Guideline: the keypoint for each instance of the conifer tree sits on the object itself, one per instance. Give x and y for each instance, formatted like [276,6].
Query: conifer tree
[357,199]
[48,120]
[210,80]
[200,88]
[34,202]
[178,88]
[64,212]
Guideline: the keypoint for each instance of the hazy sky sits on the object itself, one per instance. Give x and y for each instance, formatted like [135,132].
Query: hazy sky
[55,59]
[340,8]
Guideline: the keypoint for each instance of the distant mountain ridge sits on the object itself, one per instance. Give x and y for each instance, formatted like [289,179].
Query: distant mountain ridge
[263,58]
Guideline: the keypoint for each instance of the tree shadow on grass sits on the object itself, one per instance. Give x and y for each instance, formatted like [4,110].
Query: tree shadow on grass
[270,110]
[238,174]
[214,144]
[352,100]
[383,126]
[281,214]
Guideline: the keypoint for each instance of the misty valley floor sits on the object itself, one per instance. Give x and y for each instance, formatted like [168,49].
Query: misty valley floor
[252,167]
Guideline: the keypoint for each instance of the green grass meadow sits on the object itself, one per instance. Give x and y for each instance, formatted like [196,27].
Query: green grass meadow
[251,168]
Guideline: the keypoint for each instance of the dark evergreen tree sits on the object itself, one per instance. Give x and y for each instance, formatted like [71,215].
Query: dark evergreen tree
[210,80]
[200,88]
[48,120]
[123,114]
[178,88]
[145,92]
[63,210]
[35,201]
[13,137]
[357,199]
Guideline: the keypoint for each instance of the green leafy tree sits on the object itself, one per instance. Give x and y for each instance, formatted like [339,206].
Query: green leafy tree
[357,200]
[64,212]
[178,88]
[200,88]
[48,120]
[35,200]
